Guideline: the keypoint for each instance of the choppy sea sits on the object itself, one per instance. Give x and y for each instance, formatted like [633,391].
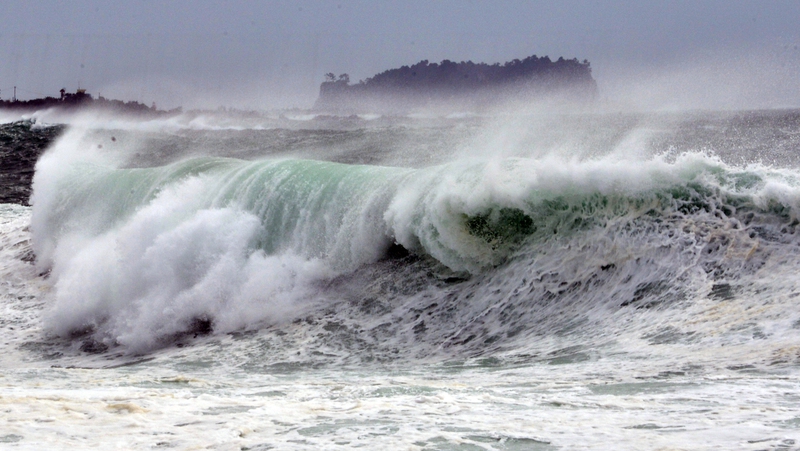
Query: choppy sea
[235,281]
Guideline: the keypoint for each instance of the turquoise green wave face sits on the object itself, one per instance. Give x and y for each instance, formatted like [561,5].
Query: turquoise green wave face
[309,207]
[138,254]
[500,227]
[467,215]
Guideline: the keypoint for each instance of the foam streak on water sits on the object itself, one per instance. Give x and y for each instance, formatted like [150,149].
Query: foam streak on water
[578,406]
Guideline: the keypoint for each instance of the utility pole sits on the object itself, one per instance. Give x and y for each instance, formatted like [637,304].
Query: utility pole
[15,93]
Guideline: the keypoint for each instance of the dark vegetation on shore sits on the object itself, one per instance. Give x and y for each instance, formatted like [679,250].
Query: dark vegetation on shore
[464,84]
[83,100]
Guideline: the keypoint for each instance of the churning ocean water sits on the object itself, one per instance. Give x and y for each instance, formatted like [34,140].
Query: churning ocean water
[508,282]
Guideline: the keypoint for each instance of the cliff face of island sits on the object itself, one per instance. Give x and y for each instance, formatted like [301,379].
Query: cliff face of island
[464,85]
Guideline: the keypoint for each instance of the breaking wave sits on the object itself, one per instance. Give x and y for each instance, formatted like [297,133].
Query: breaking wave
[477,254]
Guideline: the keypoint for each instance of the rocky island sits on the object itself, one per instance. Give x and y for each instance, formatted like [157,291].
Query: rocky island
[459,86]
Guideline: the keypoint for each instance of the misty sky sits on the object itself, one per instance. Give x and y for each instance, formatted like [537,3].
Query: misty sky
[273,54]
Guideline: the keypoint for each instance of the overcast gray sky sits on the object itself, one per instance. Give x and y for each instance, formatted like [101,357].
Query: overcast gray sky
[273,54]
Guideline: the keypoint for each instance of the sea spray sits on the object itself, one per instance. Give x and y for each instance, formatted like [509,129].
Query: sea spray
[140,256]
[636,295]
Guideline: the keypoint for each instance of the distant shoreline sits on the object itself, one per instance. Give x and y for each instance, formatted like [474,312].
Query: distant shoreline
[81,100]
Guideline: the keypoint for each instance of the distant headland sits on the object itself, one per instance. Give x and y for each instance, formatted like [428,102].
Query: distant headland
[81,99]
[460,85]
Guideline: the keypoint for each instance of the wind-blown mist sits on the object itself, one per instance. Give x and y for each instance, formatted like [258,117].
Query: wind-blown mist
[142,251]
[756,78]
[362,275]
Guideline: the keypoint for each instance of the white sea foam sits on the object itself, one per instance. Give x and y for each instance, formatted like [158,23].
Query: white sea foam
[649,303]
[169,264]
[140,255]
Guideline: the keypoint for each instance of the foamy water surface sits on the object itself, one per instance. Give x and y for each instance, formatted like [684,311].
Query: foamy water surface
[463,283]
